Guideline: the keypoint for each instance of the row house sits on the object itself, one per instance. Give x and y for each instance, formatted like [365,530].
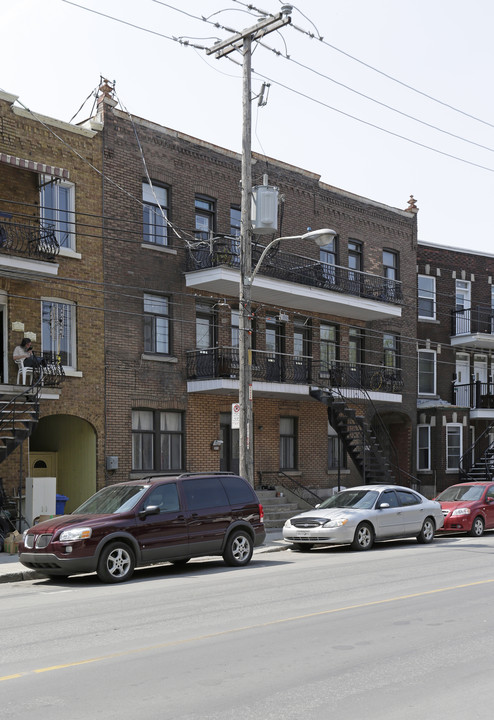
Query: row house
[455,382]
[51,291]
[333,328]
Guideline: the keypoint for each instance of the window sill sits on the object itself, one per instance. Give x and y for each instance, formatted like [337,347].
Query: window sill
[334,471]
[159,248]
[428,320]
[295,473]
[70,372]
[159,358]
[68,253]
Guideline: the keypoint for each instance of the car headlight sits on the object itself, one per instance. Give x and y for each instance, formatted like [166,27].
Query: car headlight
[461,511]
[77,533]
[335,523]
[288,524]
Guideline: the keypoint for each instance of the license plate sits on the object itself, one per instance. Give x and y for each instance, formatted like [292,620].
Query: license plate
[303,533]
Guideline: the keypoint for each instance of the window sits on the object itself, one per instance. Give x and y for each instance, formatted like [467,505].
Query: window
[165,497]
[235,215]
[288,443]
[336,451]
[156,324]
[426,296]
[453,446]
[235,328]
[390,351]
[328,256]
[407,499]
[427,372]
[58,331]
[204,493]
[423,447]
[57,210]
[328,347]
[354,265]
[157,440]
[205,217]
[390,264]
[205,326]
[155,204]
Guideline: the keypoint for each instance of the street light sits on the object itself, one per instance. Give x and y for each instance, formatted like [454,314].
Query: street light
[246,455]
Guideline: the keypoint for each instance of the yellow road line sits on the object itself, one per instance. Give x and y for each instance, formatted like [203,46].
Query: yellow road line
[295,618]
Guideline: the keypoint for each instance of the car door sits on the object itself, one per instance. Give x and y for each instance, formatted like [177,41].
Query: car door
[412,512]
[209,514]
[489,508]
[163,536]
[387,520]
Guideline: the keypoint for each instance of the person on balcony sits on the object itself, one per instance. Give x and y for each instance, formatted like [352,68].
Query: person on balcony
[25,352]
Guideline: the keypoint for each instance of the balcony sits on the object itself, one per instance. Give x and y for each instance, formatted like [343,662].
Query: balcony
[476,395]
[294,281]
[473,327]
[215,371]
[27,249]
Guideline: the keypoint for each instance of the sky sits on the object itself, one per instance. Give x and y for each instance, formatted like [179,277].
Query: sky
[316,117]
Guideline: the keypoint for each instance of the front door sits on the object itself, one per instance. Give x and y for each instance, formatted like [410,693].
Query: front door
[462,307]
[229,450]
[275,347]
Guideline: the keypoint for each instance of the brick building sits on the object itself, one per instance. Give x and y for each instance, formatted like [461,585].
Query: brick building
[456,339]
[343,316]
[51,290]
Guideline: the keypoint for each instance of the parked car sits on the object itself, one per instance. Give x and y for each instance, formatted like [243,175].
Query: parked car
[360,515]
[147,521]
[468,507]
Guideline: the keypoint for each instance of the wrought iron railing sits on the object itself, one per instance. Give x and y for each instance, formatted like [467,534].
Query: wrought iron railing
[29,239]
[474,395]
[272,478]
[472,321]
[223,362]
[296,268]
[480,454]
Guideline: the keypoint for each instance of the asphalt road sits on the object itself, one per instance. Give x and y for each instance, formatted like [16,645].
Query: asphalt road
[402,631]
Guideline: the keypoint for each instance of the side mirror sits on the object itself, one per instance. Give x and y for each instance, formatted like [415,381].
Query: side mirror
[383,505]
[149,510]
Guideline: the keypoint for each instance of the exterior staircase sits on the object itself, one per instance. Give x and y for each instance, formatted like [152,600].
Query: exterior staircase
[482,468]
[368,444]
[18,417]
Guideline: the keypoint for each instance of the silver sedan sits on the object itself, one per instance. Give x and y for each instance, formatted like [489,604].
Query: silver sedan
[360,515]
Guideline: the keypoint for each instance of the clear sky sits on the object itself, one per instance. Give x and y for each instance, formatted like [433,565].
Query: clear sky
[53,54]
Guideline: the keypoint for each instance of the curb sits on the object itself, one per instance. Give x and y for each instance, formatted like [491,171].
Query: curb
[20,575]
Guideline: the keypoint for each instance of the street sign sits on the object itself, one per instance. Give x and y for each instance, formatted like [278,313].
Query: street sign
[235,416]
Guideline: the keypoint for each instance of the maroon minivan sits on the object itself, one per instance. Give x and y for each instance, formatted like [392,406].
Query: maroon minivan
[146,521]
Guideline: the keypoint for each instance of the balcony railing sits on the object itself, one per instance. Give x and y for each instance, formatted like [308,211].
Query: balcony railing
[223,362]
[472,321]
[298,269]
[474,395]
[27,239]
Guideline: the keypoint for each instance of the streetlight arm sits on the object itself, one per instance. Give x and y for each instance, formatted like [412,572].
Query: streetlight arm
[267,249]
[320,237]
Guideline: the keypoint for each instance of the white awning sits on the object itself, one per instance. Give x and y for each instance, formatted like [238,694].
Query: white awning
[34,166]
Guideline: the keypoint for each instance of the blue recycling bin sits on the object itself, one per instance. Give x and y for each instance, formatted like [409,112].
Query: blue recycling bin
[60,504]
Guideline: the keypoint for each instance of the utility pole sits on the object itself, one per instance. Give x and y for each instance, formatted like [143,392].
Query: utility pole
[243,40]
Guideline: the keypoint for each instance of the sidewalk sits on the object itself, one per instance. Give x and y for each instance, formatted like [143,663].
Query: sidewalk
[11,570]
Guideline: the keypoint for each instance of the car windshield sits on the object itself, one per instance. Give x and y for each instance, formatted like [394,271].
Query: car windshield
[351,499]
[461,492]
[112,499]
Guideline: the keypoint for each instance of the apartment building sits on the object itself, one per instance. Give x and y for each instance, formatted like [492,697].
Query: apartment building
[333,328]
[456,340]
[51,290]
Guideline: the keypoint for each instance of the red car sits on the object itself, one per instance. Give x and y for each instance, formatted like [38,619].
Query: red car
[468,507]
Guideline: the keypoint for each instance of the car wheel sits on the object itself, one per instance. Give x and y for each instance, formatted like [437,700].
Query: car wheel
[477,529]
[304,547]
[426,535]
[364,537]
[116,563]
[238,549]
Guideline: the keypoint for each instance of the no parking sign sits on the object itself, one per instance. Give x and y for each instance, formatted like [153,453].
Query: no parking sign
[235,416]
